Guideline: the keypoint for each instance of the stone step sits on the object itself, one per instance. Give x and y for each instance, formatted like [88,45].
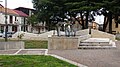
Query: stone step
[96,47]
[95,44]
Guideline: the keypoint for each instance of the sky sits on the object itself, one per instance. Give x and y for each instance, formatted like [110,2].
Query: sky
[17,3]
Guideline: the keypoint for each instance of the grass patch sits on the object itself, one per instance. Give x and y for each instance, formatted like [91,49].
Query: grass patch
[32,61]
[36,44]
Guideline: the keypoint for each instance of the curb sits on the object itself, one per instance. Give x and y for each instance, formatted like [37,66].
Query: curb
[69,61]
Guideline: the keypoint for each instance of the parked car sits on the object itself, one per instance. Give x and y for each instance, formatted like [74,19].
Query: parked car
[1,34]
[9,34]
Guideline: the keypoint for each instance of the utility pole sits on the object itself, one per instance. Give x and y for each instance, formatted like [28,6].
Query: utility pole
[6,25]
[1,7]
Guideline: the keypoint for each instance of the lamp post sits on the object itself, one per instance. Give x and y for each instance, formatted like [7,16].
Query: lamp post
[6,26]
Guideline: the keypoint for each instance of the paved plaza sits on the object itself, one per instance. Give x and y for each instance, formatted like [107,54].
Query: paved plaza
[92,57]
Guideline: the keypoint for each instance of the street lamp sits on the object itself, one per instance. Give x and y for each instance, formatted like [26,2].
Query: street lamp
[6,29]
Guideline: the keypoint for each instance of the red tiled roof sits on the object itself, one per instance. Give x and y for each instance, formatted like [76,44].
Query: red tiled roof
[1,5]
[13,12]
[9,11]
[21,13]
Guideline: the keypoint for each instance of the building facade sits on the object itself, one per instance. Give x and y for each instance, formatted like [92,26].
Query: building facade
[15,20]
[40,27]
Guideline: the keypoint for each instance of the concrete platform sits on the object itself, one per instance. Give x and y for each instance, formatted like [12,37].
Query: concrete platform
[12,45]
[97,43]
[63,43]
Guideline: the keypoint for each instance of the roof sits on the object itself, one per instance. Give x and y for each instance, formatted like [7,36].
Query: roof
[9,11]
[13,12]
[25,8]
[1,5]
[21,13]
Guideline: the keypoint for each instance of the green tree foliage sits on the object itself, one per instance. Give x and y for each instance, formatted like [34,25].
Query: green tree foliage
[111,11]
[33,21]
[57,10]
[53,8]
[82,6]
[47,9]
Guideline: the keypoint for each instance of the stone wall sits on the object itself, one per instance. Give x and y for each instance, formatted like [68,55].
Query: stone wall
[11,45]
[63,42]
[82,32]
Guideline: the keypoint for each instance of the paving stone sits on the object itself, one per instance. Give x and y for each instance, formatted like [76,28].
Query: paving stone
[7,52]
[32,52]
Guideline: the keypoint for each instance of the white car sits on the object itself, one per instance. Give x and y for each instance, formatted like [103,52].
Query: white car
[1,34]
[9,34]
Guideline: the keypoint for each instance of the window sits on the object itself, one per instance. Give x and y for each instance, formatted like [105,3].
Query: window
[15,18]
[11,19]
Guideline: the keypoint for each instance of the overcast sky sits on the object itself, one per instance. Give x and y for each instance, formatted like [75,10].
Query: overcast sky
[17,3]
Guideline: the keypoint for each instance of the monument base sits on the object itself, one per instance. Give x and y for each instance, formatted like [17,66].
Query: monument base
[11,45]
[63,42]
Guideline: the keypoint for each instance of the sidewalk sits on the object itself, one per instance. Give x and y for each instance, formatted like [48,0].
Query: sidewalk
[24,52]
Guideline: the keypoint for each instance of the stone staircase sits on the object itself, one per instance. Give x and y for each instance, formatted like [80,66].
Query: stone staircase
[97,43]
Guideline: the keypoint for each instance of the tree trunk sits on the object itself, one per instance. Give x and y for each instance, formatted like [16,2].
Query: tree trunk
[87,14]
[104,28]
[110,22]
[116,18]
[39,30]
[32,30]
[83,26]
[48,25]
[106,23]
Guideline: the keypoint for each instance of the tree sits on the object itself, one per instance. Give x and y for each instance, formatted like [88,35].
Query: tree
[32,21]
[84,7]
[111,11]
[52,10]
[47,9]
